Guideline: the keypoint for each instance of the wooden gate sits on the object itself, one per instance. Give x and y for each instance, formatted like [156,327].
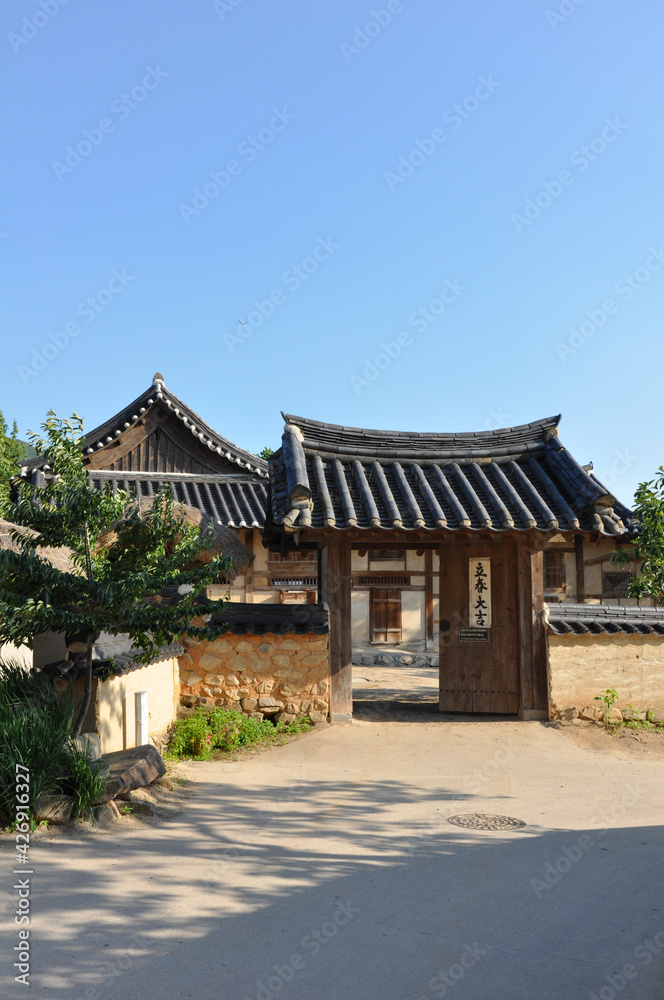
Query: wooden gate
[385,615]
[479,667]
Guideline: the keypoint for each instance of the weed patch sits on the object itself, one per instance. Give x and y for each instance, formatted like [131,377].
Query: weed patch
[205,735]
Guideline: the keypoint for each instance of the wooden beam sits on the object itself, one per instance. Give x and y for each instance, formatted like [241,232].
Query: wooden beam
[524,582]
[337,576]
[249,572]
[540,708]
[580,570]
[428,598]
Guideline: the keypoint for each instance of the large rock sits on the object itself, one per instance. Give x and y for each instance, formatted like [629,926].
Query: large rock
[133,768]
[137,795]
[89,743]
[106,814]
[591,713]
[270,705]
[139,808]
[189,678]
[54,808]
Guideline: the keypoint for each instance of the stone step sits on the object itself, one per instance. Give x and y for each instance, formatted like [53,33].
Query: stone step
[424,659]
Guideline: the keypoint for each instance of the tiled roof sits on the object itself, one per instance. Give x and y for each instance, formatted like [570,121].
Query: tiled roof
[521,478]
[611,619]
[278,619]
[118,664]
[103,435]
[234,501]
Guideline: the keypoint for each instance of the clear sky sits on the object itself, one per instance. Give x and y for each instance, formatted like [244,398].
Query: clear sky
[428,216]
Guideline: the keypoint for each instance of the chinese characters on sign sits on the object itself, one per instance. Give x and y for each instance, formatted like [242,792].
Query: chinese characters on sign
[480,592]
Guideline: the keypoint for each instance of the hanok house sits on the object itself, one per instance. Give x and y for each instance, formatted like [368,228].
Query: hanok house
[448,539]
[157,439]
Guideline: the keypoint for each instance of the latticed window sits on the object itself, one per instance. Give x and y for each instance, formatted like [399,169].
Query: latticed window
[616,582]
[383,555]
[554,570]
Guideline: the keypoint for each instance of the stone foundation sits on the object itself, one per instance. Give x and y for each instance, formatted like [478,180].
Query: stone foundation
[284,677]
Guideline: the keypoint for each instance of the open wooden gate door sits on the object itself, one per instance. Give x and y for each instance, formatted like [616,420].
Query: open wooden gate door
[479,665]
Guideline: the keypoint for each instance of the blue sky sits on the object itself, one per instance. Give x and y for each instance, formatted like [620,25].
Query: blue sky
[428,216]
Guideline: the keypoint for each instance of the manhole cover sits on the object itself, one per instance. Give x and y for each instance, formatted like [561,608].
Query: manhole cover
[482,821]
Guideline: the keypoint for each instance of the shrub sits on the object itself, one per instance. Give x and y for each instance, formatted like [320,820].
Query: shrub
[81,779]
[224,729]
[191,737]
[35,723]
[35,731]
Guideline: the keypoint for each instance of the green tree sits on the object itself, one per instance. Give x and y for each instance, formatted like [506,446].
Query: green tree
[112,585]
[11,452]
[648,546]
[266,452]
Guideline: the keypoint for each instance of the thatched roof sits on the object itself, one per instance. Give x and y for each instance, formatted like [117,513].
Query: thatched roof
[60,558]
[226,544]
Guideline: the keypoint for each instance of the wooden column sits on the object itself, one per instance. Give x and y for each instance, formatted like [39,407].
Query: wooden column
[540,644]
[337,578]
[533,647]
[428,597]
[249,572]
[580,570]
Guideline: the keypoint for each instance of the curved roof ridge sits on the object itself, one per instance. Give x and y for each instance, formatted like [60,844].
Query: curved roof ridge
[343,439]
[99,437]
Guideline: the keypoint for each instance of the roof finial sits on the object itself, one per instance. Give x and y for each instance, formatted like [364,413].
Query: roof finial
[157,378]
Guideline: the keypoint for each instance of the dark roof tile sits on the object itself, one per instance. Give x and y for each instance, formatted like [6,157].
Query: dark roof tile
[518,478]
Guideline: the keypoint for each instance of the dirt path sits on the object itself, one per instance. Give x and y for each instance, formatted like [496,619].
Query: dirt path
[326,869]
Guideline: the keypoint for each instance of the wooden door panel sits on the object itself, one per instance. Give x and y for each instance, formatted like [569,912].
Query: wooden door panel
[479,676]
[386,615]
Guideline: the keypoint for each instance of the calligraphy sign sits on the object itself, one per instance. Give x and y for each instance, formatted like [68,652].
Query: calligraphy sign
[480,592]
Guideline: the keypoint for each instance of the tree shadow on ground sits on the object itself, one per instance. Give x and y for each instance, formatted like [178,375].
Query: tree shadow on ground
[366,881]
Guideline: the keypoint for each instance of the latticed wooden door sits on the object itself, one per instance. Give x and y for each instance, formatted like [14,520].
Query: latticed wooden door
[385,615]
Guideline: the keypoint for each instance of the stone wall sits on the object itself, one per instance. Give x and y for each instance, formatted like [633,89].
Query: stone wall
[284,677]
[582,666]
